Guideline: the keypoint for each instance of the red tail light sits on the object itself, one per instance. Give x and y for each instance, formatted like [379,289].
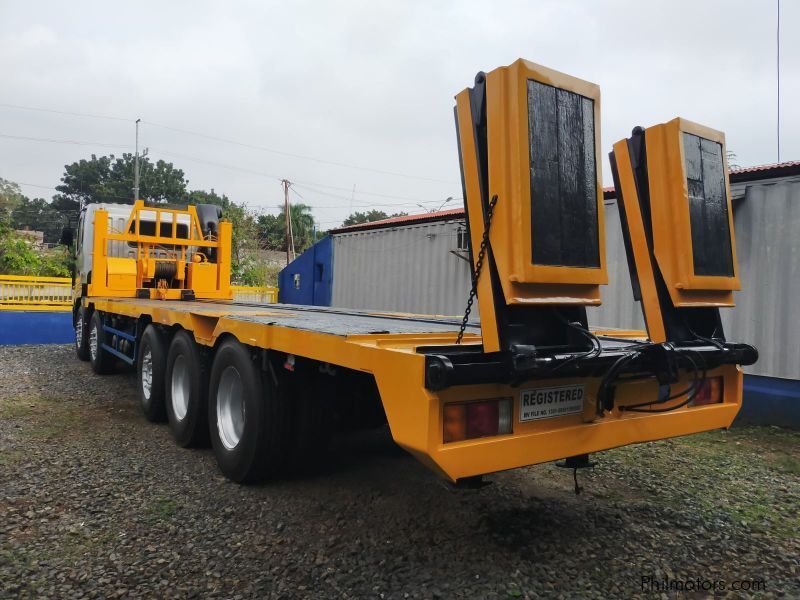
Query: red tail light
[710,392]
[482,419]
[464,421]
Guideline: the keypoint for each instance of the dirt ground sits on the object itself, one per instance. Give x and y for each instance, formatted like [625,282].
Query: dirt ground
[97,502]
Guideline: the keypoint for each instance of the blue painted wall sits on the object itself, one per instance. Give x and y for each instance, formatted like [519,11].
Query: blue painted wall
[308,279]
[770,401]
[35,327]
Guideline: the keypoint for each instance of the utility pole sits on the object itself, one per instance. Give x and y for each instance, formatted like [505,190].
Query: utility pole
[778,68]
[287,220]
[136,166]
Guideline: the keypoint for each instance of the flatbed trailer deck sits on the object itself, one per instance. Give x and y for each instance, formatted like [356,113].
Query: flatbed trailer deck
[387,346]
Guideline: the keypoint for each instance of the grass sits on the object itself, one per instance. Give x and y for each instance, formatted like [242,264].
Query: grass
[42,417]
[161,508]
[746,475]
[10,456]
[788,464]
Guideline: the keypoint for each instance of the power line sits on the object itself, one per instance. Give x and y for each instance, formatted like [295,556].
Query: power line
[238,168]
[127,199]
[63,112]
[62,141]
[304,184]
[258,208]
[298,156]
[233,142]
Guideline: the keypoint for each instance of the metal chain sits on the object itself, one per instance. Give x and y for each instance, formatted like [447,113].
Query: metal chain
[478,267]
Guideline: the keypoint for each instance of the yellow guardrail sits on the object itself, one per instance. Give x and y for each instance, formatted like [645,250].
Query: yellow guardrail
[246,293]
[20,292]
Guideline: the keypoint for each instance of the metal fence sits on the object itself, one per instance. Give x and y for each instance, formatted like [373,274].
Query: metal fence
[246,293]
[22,292]
[19,292]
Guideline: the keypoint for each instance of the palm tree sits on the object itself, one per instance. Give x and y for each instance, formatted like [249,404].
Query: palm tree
[272,228]
[302,225]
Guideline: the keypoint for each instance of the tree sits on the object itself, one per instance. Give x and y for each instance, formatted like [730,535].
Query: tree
[302,226]
[732,160]
[272,228]
[204,197]
[10,197]
[368,217]
[39,215]
[110,179]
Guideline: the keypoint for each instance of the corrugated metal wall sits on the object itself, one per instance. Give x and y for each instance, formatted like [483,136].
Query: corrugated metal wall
[767,313]
[412,269]
[766,219]
[408,269]
[619,309]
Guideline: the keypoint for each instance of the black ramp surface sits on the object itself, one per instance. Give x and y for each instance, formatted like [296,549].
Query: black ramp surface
[563,179]
[708,207]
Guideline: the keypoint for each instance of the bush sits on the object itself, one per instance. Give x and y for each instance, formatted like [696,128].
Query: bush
[19,257]
[257,272]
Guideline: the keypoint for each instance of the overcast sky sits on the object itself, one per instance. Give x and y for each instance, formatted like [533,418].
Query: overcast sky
[367,84]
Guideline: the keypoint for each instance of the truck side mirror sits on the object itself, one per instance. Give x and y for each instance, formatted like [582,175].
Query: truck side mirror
[67,236]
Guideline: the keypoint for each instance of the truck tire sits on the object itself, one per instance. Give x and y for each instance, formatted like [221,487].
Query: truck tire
[102,362]
[246,416]
[82,333]
[150,368]
[187,391]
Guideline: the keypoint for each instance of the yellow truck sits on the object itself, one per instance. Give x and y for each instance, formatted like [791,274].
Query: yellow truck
[266,384]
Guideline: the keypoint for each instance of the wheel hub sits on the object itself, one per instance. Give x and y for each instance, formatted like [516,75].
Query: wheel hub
[180,388]
[230,408]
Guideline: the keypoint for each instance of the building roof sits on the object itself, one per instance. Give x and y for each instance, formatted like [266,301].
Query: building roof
[783,169]
[759,172]
[439,215]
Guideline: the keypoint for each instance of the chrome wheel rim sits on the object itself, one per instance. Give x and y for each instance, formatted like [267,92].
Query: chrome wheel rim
[79,330]
[93,343]
[230,408]
[180,387]
[147,373]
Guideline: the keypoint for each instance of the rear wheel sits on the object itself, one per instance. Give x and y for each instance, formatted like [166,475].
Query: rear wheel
[81,334]
[102,362]
[187,391]
[246,417]
[150,368]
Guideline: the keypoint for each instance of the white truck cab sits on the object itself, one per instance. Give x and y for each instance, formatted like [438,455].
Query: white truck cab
[118,215]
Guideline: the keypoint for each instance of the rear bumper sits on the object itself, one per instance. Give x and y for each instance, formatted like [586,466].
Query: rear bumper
[557,438]
[489,455]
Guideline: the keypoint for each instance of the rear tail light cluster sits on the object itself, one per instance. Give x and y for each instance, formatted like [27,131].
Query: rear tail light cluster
[469,420]
[710,392]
